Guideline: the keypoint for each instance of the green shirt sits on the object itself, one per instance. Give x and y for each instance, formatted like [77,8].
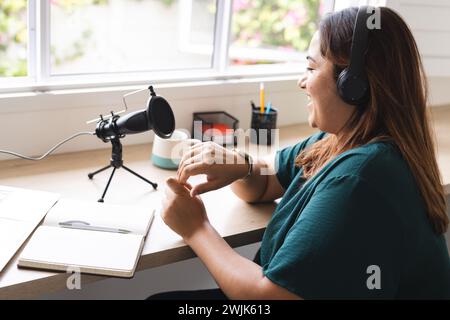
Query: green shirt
[363,209]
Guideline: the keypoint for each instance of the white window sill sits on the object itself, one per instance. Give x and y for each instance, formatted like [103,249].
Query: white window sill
[86,91]
[167,78]
[54,114]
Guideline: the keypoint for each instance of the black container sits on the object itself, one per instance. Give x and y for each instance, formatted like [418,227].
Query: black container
[209,120]
[263,126]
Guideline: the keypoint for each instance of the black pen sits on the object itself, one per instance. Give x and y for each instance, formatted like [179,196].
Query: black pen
[253,104]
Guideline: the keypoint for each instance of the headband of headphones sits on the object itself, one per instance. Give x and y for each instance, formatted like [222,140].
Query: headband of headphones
[352,83]
[359,41]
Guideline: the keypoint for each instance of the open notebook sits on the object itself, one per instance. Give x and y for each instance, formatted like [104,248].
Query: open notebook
[94,238]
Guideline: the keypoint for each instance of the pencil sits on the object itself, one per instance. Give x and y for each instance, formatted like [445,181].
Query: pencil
[261,97]
[269,106]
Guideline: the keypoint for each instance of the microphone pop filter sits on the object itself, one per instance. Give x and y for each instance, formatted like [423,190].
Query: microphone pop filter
[160,117]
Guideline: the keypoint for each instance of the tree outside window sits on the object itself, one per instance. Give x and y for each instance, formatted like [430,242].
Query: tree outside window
[263,32]
[271,31]
[13,38]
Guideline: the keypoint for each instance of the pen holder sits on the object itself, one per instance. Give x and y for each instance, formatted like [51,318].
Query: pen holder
[263,126]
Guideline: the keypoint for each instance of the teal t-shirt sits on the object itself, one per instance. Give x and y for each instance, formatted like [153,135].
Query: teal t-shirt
[358,229]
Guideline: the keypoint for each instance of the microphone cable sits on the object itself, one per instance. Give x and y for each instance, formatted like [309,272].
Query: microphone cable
[49,151]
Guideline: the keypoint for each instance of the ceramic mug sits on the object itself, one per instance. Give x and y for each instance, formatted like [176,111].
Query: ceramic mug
[167,153]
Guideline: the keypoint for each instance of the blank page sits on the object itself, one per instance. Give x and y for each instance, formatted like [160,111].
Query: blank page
[91,251]
[12,234]
[133,218]
[21,211]
[25,205]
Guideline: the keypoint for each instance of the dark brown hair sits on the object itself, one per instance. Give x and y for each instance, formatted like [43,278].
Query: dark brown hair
[397,110]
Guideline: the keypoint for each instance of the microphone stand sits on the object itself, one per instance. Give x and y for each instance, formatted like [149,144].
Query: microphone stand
[117,163]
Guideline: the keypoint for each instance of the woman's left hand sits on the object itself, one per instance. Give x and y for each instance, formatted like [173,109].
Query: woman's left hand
[182,213]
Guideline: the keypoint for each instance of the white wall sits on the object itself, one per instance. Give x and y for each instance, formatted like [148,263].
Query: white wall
[33,123]
[428,20]
[439,91]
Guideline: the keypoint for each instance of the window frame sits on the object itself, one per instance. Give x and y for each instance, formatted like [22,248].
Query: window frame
[39,78]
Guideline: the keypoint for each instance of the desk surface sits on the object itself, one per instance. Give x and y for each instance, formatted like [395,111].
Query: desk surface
[238,222]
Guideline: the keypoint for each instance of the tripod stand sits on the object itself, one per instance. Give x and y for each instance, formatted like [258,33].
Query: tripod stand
[117,163]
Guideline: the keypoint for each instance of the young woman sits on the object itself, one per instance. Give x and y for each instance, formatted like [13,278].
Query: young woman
[363,209]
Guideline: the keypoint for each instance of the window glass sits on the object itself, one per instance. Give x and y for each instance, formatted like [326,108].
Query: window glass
[273,31]
[98,36]
[13,38]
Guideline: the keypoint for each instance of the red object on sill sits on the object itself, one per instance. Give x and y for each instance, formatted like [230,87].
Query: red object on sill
[222,127]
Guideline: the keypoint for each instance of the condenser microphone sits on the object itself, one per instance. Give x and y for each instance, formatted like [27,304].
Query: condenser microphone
[157,116]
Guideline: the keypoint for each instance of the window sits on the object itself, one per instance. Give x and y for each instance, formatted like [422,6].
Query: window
[13,38]
[266,32]
[50,42]
[99,36]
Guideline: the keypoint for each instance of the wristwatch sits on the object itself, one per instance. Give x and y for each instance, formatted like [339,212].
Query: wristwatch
[248,160]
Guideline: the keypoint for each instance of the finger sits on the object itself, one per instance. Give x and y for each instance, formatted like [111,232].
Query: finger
[192,150]
[191,170]
[186,159]
[201,163]
[204,153]
[204,187]
[194,142]
[196,149]
[176,187]
[189,154]
[187,185]
[186,162]
[198,159]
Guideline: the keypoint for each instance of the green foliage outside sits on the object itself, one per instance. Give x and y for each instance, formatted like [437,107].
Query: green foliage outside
[13,38]
[14,34]
[284,24]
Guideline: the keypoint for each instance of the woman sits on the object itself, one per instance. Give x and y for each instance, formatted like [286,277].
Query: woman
[363,209]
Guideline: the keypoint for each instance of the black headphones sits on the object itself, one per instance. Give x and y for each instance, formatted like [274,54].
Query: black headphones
[352,82]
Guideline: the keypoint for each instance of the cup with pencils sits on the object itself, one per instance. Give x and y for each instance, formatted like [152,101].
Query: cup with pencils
[264,120]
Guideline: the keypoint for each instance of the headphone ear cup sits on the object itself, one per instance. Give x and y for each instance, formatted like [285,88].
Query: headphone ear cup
[341,84]
[353,89]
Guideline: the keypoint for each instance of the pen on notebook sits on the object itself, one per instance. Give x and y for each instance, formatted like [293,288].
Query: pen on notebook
[261,97]
[86,226]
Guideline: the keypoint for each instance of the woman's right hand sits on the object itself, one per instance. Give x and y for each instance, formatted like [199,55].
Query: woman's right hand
[220,165]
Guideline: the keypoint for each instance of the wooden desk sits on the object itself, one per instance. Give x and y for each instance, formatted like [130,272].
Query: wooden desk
[238,222]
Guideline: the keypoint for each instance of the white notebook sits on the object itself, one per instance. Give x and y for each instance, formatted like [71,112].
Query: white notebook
[21,211]
[91,237]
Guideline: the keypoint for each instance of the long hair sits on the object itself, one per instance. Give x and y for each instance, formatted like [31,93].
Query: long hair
[397,110]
